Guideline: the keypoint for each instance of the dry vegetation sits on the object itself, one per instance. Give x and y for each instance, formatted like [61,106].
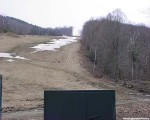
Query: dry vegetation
[25,80]
[119,50]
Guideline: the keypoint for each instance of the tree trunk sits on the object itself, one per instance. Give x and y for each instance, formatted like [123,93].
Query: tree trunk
[94,65]
[132,70]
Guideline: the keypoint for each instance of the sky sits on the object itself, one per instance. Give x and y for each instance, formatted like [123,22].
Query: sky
[55,13]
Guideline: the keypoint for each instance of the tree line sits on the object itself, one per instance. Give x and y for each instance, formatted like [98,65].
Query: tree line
[10,24]
[117,49]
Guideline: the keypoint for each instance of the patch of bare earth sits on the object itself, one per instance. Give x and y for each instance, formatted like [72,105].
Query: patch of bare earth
[24,81]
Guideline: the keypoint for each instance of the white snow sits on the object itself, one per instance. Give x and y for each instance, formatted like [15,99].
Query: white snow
[11,55]
[19,57]
[55,44]
[10,60]
[5,55]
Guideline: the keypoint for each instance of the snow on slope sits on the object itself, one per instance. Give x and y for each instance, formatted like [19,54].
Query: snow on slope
[56,44]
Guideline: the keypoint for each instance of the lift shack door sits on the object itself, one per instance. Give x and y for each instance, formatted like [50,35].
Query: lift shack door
[79,105]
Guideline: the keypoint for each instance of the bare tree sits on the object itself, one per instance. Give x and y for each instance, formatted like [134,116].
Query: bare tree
[117,49]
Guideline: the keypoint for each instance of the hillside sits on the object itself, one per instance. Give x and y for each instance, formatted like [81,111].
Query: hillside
[24,80]
[10,24]
[118,50]
[110,55]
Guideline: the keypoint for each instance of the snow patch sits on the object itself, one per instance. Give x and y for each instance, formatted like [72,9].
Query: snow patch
[5,55]
[55,44]
[19,57]
[11,55]
[10,60]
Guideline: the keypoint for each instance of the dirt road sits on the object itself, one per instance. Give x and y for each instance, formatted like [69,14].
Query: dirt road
[25,81]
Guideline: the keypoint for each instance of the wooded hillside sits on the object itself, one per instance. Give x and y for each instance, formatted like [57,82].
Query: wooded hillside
[10,24]
[119,50]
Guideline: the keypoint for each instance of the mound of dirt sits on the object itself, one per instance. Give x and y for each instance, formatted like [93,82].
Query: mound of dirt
[141,86]
[11,34]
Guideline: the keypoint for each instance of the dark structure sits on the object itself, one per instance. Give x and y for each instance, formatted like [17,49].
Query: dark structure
[79,105]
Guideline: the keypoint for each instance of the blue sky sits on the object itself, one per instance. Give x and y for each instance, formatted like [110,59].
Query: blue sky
[54,13]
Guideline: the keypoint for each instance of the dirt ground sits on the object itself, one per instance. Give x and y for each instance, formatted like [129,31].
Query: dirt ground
[24,81]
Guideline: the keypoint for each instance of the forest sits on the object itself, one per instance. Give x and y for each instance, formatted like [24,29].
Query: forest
[10,24]
[117,49]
